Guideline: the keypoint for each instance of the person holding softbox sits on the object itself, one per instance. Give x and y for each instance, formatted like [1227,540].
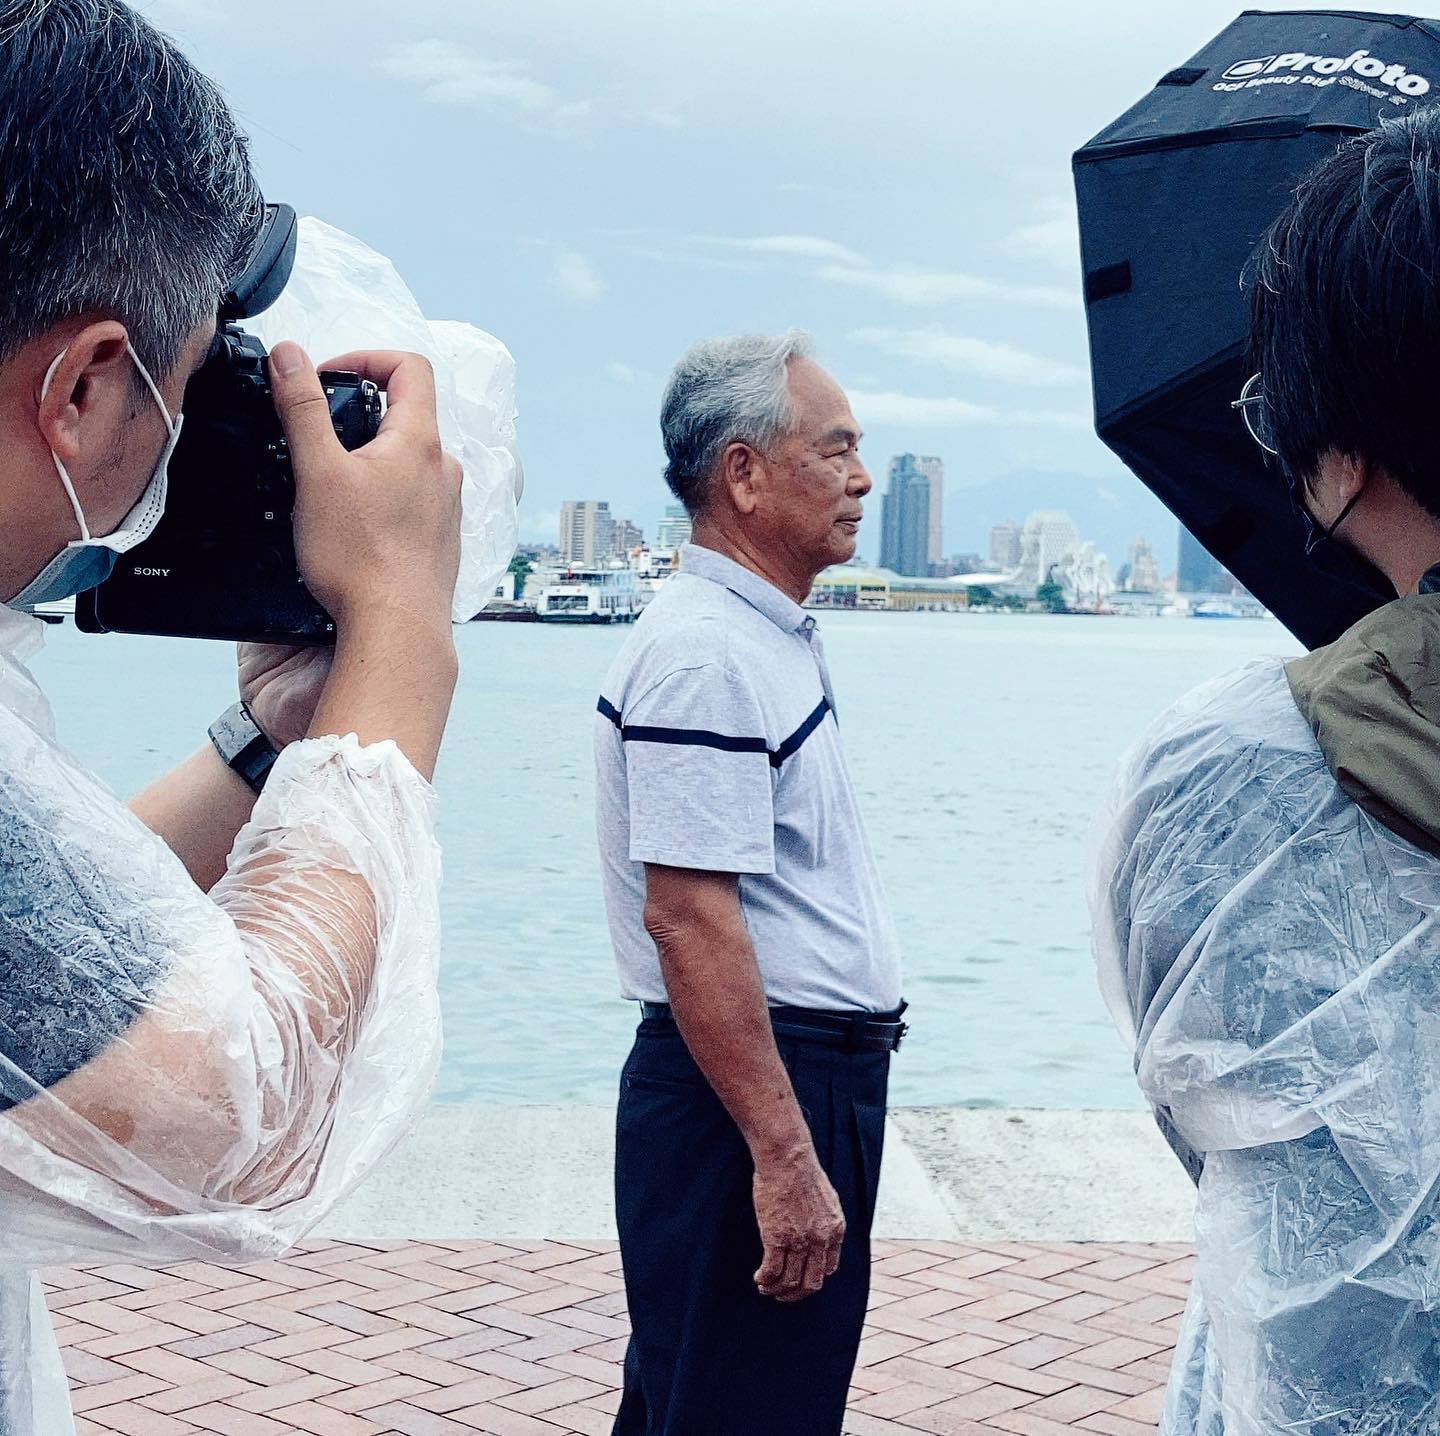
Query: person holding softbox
[1267,895]
[217,1006]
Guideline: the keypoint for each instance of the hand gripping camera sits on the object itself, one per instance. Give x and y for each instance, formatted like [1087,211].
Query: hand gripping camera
[221,562]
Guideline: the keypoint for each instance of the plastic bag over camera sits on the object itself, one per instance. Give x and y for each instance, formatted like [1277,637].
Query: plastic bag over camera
[342,295]
[1272,953]
[187,1075]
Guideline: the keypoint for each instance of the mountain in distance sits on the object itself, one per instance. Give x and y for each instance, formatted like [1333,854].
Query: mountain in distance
[1112,510]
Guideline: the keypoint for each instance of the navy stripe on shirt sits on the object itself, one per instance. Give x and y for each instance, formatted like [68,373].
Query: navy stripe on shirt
[704,738]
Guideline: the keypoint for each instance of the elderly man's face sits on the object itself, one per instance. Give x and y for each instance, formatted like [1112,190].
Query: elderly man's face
[810,502]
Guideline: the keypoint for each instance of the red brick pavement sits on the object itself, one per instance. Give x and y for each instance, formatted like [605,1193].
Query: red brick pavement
[525,1339]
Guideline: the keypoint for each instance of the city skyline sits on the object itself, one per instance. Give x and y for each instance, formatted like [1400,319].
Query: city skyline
[977,545]
[1046,544]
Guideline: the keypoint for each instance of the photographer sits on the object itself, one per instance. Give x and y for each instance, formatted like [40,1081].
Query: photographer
[191,1073]
[1267,896]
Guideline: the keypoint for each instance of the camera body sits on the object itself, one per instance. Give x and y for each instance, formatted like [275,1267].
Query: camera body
[221,562]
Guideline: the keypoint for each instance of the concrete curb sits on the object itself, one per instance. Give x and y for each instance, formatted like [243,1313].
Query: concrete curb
[951,1174]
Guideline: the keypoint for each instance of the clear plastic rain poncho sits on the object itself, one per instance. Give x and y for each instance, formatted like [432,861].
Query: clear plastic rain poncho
[1272,952]
[185,1075]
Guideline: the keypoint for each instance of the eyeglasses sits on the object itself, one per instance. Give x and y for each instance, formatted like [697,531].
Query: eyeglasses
[1256,413]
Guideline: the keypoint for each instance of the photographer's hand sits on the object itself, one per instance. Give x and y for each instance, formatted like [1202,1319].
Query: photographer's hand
[377,535]
[281,686]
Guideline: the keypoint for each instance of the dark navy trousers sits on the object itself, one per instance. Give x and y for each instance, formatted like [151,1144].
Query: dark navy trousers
[710,1356]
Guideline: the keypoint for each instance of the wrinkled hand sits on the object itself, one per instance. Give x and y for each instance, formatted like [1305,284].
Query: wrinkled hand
[281,687]
[801,1225]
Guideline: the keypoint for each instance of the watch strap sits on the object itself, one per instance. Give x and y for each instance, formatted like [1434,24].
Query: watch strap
[242,746]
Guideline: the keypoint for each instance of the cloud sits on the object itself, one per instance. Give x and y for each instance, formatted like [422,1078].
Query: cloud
[920,286]
[788,246]
[448,74]
[982,357]
[889,406]
[1054,241]
[622,373]
[576,278]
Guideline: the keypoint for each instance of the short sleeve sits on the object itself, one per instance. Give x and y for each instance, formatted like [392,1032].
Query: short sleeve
[698,774]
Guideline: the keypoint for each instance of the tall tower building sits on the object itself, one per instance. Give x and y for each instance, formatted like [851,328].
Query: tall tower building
[1005,547]
[587,532]
[934,469]
[906,473]
[1199,571]
[906,518]
[1144,571]
[674,529]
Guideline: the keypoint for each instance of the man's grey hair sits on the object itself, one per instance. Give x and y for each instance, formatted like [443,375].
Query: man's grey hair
[725,391]
[125,185]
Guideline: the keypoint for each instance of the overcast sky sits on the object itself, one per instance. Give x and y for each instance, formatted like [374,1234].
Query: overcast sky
[601,183]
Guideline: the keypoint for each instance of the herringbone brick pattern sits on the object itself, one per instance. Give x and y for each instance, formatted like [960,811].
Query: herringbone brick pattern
[525,1339]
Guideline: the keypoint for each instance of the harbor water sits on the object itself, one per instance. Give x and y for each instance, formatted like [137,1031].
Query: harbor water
[981,745]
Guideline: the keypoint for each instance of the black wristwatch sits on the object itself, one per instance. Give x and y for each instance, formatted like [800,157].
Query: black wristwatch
[239,741]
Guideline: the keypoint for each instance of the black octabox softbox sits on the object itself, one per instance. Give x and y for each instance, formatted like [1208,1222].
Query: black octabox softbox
[1172,198]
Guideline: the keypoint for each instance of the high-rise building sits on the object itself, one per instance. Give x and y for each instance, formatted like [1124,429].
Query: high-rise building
[934,470]
[674,529]
[1048,538]
[627,536]
[905,519]
[587,532]
[1143,572]
[1005,547]
[897,543]
[1200,572]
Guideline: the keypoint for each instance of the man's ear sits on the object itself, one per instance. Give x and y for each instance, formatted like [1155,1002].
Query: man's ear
[740,468]
[89,393]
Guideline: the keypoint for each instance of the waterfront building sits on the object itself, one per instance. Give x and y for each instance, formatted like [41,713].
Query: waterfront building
[1200,572]
[859,586]
[905,518]
[587,532]
[674,530]
[1048,538]
[628,537]
[1005,546]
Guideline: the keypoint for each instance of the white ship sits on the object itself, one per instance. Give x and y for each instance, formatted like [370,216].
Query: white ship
[591,595]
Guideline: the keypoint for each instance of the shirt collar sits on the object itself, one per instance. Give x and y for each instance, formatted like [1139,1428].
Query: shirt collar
[759,593]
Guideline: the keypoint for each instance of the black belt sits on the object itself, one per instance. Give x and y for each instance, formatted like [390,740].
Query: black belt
[851,1031]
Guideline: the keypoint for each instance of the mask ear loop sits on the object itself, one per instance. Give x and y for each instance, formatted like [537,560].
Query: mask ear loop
[153,388]
[60,468]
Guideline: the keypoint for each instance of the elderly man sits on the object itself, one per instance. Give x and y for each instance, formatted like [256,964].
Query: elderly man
[749,922]
[1267,904]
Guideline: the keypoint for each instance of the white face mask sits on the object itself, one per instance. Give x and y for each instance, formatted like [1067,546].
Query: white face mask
[87,561]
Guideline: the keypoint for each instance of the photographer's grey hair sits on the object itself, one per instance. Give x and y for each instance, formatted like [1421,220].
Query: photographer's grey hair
[127,186]
[725,391]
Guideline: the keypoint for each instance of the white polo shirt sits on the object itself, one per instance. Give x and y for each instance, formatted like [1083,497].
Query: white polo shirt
[717,748]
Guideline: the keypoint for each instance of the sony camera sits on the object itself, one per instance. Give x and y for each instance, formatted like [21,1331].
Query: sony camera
[221,562]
